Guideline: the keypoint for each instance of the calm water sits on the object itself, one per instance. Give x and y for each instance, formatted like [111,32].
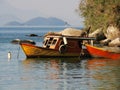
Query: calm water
[19,73]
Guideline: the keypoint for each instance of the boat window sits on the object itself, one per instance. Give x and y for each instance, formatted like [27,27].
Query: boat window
[50,41]
[45,42]
[54,41]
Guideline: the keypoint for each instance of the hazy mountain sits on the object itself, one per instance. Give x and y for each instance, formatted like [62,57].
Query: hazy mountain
[39,21]
[13,23]
[45,21]
[4,19]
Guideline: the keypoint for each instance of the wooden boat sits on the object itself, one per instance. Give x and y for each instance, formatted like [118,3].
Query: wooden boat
[55,46]
[103,52]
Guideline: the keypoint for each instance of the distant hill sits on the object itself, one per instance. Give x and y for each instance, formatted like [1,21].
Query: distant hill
[4,19]
[13,23]
[39,21]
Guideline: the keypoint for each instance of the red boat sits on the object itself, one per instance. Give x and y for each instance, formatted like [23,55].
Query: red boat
[103,52]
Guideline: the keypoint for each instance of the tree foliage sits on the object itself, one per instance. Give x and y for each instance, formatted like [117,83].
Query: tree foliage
[100,13]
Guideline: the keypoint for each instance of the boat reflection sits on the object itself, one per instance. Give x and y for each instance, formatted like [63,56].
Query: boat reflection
[67,73]
[104,74]
[55,72]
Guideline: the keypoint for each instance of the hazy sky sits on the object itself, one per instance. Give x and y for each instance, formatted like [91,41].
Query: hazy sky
[27,9]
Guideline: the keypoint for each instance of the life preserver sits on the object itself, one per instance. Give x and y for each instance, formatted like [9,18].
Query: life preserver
[62,49]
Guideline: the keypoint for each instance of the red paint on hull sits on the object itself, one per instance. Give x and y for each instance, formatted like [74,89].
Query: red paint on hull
[99,52]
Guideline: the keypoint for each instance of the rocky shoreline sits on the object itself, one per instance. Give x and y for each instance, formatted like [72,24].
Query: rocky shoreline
[110,37]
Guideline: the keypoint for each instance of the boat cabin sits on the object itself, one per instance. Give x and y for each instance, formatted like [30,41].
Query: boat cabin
[63,43]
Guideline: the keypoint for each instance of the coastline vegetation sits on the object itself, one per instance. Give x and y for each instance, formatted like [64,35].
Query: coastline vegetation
[100,13]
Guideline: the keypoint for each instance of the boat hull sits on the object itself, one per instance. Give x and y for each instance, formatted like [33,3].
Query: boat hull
[99,52]
[32,51]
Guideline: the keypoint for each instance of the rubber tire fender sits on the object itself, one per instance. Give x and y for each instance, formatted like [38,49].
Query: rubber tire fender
[62,49]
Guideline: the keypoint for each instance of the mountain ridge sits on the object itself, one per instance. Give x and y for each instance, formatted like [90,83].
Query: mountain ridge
[39,21]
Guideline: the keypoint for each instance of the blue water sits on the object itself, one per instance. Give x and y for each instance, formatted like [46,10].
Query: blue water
[19,73]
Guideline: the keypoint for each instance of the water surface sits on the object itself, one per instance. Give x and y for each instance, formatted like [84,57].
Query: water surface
[19,73]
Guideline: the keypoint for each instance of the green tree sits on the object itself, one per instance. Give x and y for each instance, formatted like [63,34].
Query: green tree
[100,13]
